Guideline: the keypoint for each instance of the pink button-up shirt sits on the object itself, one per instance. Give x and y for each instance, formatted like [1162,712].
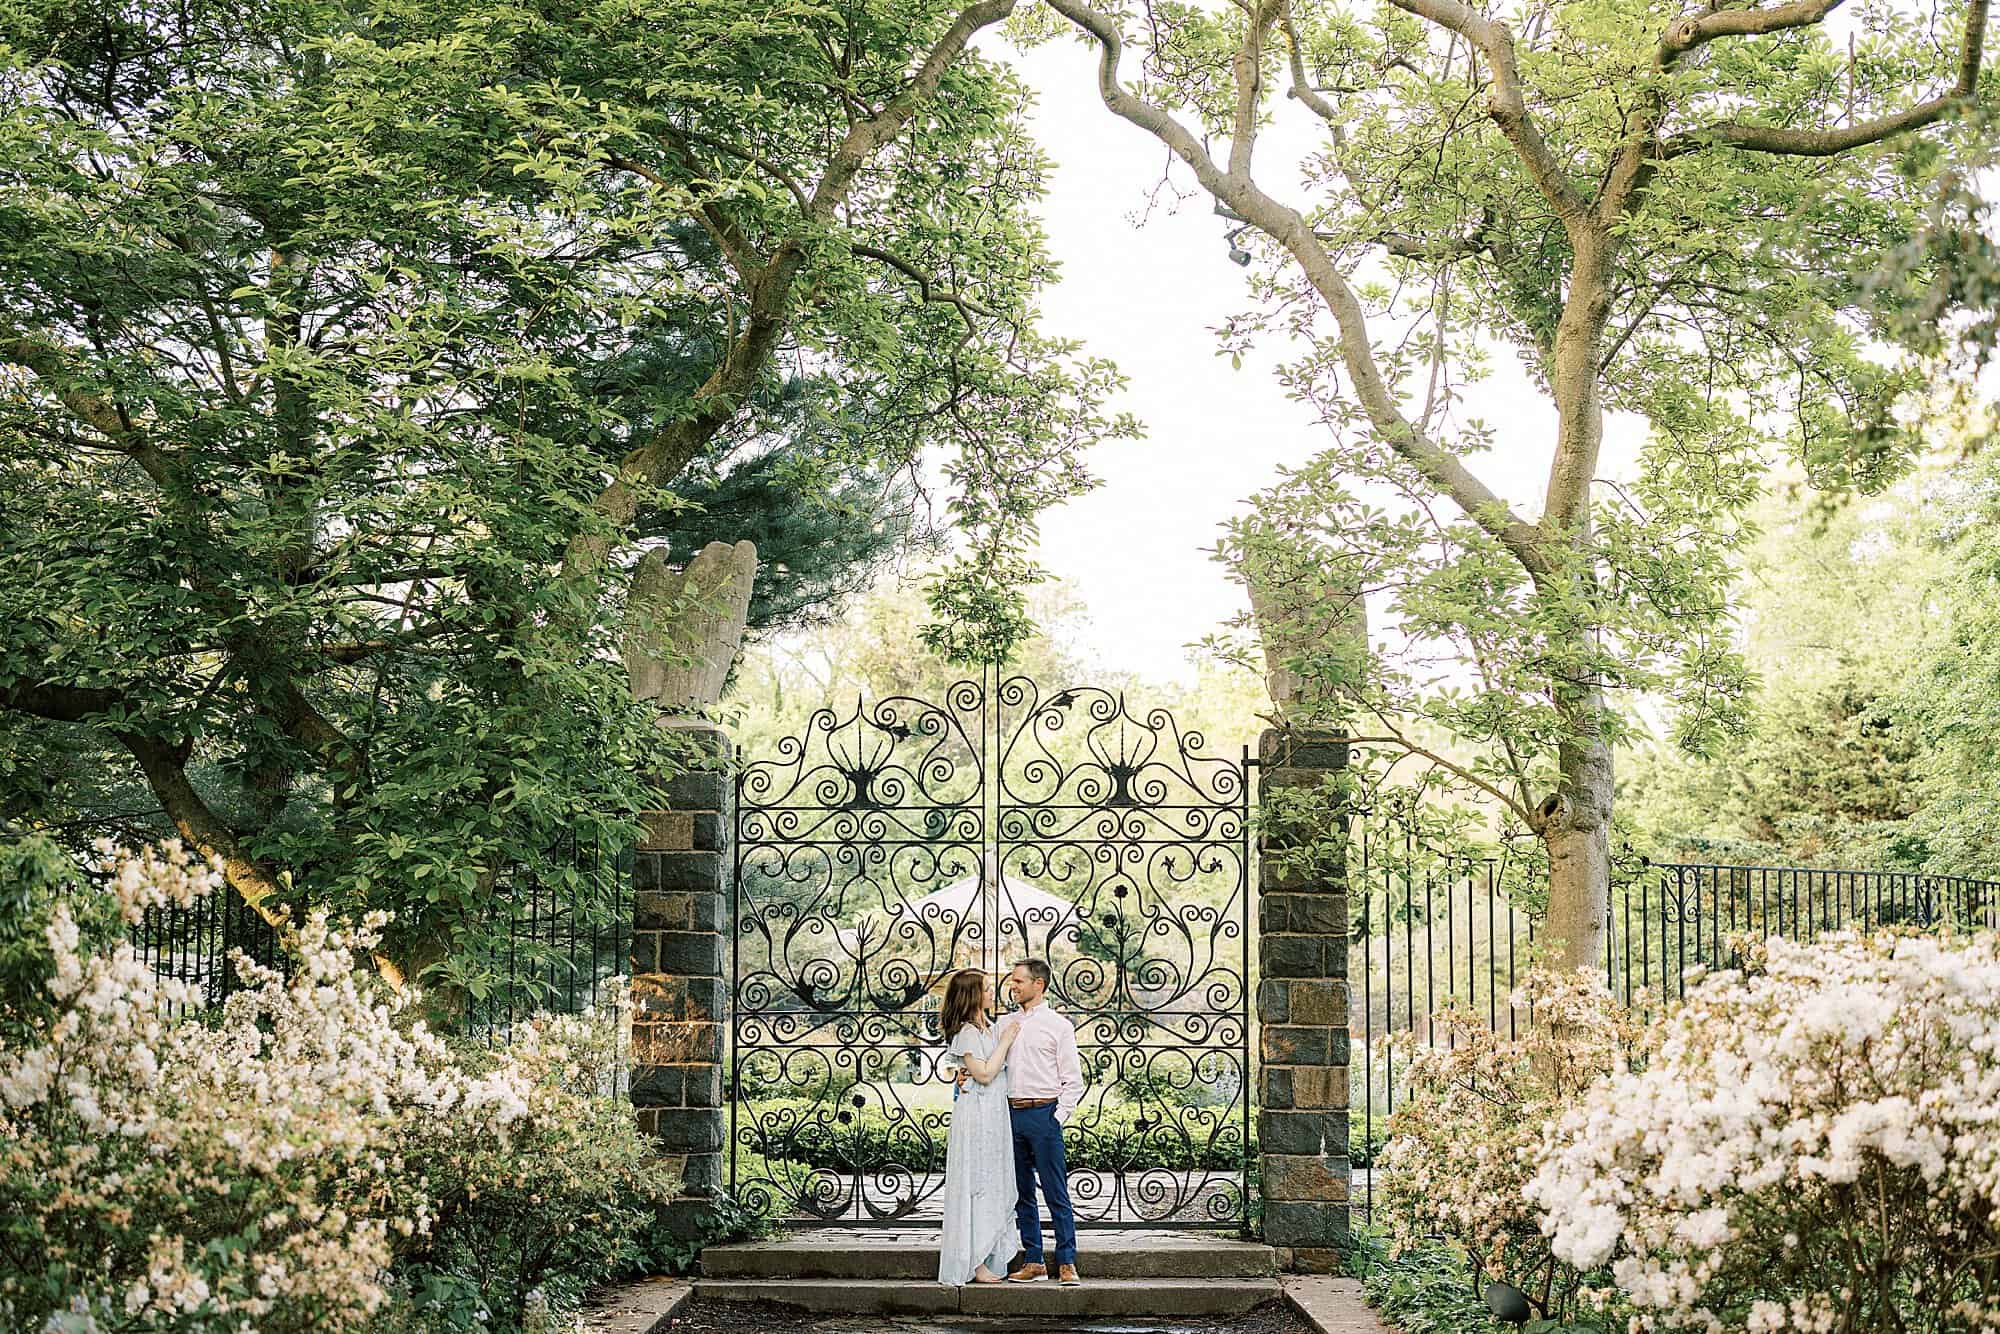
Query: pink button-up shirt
[1043,1062]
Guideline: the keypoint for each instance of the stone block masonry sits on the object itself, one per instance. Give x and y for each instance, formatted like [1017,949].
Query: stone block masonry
[680,908]
[1302,1001]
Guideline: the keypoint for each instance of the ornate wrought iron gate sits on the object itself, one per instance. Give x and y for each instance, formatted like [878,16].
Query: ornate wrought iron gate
[887,845]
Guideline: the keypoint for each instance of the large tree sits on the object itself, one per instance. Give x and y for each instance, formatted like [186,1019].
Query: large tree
[347,349]
[1660,211]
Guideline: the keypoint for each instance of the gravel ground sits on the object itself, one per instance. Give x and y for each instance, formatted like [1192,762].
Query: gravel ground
[702,1316]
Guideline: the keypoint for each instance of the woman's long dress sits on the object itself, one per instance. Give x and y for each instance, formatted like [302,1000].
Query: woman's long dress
[979,1191]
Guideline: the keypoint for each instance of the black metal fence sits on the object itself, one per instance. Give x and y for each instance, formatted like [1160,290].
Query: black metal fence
[193,944]
[567,934]
[1432,931]
[562,933]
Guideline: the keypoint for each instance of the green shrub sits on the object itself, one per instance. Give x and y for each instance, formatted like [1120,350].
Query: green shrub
[1106,1139]
[660,1249]
[36,875]
[1364,1143]
[797,1130]
[529,1225]
[1463,1142]
[306,1159]
[1165,1089]
[1425,1289]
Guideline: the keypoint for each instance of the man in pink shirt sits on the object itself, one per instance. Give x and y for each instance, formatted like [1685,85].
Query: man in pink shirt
[1044,1085]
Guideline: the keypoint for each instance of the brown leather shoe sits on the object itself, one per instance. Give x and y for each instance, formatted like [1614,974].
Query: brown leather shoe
[1028,1271]
[1066,1275]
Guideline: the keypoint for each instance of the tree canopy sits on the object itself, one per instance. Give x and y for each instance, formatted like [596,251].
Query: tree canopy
[1872,629]
[1670,213]
[350,354]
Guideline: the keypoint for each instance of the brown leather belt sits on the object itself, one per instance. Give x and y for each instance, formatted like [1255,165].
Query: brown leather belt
[1025,1103]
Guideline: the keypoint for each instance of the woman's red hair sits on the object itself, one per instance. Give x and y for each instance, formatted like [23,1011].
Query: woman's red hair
[964,996]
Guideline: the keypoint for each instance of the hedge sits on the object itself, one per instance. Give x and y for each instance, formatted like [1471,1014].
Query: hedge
[800,1130]
[1104,1140]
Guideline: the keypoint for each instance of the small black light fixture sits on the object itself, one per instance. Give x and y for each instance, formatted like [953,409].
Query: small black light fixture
[1237,254]
[1508,1303]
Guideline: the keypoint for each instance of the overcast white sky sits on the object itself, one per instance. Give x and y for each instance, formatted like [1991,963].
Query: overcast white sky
[1150,298]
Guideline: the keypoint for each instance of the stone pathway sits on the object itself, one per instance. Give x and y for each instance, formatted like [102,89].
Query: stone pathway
[638,1308]
[1332,1305]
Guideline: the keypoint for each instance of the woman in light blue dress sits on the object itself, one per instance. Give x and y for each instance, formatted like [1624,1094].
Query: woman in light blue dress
[979,1235]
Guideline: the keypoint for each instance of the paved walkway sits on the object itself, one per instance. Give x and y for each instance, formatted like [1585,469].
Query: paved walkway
[1329,1305]
[637,1308]
[1333,1305]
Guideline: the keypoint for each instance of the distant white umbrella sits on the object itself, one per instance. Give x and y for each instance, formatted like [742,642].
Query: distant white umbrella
[988,901]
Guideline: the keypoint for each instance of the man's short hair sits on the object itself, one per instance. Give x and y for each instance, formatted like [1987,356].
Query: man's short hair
[1037,970]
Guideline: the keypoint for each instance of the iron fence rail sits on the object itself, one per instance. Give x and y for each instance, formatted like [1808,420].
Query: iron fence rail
[1435,932]
[566,935]
[194,944]
[563,933]
[1427,931]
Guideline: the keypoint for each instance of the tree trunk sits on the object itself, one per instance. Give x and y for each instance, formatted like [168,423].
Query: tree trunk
[1575,822]
[1576,829]
[401,963]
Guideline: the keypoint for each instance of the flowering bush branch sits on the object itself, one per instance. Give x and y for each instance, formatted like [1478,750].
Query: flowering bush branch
[1462,1145]
[266,1170]
[1815,1147]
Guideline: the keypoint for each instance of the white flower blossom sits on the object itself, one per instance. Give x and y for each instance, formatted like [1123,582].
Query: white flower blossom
[1831,1100]
[301,1122]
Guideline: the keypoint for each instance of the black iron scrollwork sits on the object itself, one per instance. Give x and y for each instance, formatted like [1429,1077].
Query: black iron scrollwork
[885,846]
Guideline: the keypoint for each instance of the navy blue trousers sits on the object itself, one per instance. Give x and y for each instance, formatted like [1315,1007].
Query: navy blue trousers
[1038,1152]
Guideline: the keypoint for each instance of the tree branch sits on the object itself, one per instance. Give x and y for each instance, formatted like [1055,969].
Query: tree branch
[1237,191]
[65,704]
[162,765]
[1417,247]
[1247,67]
[1505,103]
[1811,143]
[1409,747]
[660,459]
[867,137]
[728,237]
[55,367]
[1827,142]
[1302,87]
[356,650]
[288,705]
[928,287]
[1694,30]
[776,172]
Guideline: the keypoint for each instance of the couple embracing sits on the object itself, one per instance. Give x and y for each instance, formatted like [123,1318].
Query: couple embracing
[1019,1078]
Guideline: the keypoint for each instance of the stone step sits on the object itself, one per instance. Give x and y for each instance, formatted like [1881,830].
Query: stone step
[1128,1297]
[911,1254]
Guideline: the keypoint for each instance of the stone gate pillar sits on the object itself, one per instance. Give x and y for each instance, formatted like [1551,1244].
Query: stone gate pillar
[1302,1018]
[680,910]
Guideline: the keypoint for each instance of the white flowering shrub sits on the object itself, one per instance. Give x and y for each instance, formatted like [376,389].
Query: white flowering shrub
[1814,1146]
[288,1164]
[1463,1143]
